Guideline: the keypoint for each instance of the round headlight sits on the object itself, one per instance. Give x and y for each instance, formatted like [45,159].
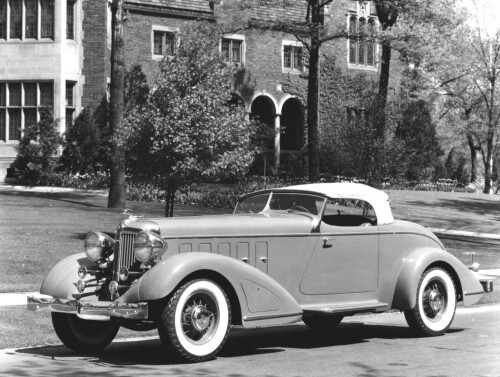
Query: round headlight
[147,246]
[98,245]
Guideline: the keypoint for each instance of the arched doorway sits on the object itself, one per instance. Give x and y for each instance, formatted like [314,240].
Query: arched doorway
[264,110]
[292,125]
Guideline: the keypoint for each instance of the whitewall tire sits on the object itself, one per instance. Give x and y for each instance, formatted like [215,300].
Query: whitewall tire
[436,304]
[194,324]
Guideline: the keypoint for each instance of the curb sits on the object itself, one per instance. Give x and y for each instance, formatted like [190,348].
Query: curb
[463,235]
[50,189]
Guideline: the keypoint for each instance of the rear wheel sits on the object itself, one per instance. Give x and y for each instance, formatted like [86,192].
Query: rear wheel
[83,335]
[436,304]
[323,323]
[195,322]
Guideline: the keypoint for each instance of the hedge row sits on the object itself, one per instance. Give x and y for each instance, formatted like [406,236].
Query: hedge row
[225,196]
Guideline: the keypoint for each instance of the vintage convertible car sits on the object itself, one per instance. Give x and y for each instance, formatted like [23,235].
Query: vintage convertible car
[315,253]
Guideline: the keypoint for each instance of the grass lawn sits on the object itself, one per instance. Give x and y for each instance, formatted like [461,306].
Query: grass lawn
[38,229]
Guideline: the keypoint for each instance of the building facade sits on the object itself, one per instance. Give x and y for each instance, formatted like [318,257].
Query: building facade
[56,53]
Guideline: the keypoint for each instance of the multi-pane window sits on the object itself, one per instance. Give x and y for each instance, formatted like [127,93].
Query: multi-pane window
[20,103]
[26,19]
[361,43]
[292,57]
[70,19]
[232,51]
[31,25]
[16,18]
[163,42]
[47,18]
[3,21]
[70,103]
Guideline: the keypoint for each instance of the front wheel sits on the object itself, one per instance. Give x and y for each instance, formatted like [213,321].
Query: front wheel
[83,335]
[194,324]
[436,304]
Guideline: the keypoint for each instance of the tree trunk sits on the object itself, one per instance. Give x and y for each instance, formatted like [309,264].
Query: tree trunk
[473,158]
[383,87]
[387,15]
[169,201]
[488,168]
[117,192]
[313,94]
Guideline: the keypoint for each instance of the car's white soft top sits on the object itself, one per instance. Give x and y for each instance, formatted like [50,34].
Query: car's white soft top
[379,200]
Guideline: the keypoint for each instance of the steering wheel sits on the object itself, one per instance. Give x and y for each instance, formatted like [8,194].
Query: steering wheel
[299,208]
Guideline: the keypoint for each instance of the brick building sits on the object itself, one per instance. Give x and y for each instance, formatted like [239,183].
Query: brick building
[57,53]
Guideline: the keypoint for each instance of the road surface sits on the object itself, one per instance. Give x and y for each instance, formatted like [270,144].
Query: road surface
[369,345]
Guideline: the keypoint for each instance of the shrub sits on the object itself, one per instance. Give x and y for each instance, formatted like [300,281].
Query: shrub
[35,161]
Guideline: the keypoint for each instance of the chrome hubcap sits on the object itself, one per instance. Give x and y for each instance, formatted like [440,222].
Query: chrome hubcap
[200,317]
[434,300]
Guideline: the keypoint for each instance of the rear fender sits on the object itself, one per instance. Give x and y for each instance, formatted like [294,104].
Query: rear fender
[262,300]
[467,286]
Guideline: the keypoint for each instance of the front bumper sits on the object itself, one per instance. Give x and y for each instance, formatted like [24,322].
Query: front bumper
[89,308]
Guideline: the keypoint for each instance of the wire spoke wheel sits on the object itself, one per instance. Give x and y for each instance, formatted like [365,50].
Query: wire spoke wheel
[200,317]
[194,324]
[435,305]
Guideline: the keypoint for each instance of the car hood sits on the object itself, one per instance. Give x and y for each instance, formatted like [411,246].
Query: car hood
[224,225]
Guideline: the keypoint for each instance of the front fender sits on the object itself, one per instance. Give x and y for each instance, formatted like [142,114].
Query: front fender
[418,262]
[262,300]
[61,280]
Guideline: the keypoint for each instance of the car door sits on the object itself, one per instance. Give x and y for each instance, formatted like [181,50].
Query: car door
[346,253]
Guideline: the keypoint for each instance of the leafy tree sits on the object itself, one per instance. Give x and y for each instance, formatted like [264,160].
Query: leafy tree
[418,133]
[82,152]
[467,77]
[36,152]
[348,143]
[187,129]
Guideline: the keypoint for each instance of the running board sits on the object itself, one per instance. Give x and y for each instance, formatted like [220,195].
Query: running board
[342,308]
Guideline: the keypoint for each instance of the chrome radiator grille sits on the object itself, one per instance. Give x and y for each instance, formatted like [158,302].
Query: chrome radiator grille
[125,256]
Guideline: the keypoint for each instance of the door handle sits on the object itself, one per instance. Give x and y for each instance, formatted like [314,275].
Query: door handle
[326,245]
[263,259]
[244,259]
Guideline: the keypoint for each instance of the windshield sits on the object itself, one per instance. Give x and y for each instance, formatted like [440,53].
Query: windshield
[291,202]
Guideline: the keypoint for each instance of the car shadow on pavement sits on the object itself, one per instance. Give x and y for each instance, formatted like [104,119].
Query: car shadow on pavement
[241,343]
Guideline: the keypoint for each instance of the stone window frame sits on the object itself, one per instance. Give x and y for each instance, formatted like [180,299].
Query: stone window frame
[355,47]
[71,20]
[234,38]
[296,45]
[23,34]
[70,102]
[174,31]
[22,107]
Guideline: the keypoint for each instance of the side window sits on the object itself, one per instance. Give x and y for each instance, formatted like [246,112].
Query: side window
[349,212]
[253,204]
[296,202]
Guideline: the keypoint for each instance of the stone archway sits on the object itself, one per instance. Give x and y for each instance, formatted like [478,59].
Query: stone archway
[263,108]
